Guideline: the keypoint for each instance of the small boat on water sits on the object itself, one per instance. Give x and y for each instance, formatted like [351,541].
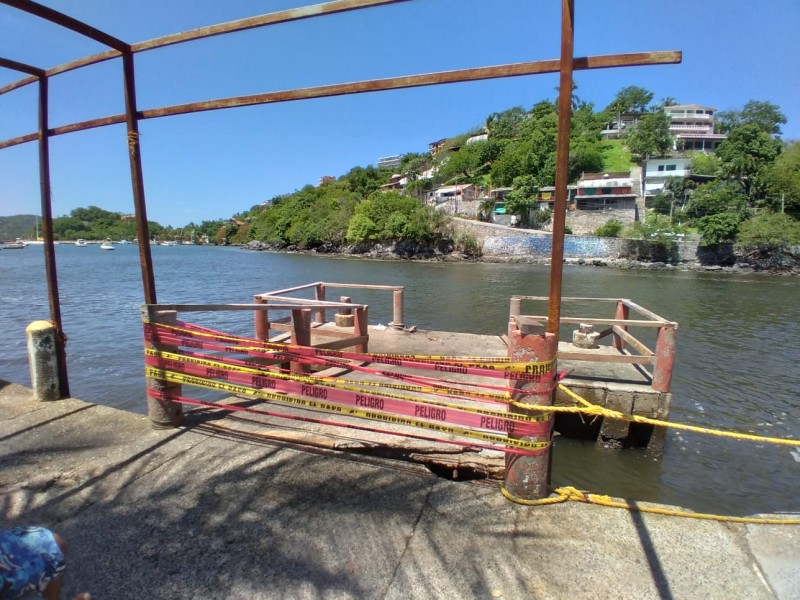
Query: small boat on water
[107,245]
[16,245]
[169,243]
[81,243]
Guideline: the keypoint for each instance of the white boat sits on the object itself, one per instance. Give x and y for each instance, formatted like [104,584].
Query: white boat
[107,245]
[17,245]
[81,243]
[169,243]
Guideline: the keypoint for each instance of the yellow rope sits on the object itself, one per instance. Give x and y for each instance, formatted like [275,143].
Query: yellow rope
[568,493]
[599,411]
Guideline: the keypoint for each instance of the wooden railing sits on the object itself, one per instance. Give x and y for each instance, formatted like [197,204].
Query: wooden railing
[320,289]
[660,360]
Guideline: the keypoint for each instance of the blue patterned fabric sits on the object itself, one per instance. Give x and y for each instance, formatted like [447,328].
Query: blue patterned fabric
[29,560]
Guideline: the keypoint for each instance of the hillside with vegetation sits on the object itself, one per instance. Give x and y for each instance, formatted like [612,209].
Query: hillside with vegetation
[749,192]
[17,226]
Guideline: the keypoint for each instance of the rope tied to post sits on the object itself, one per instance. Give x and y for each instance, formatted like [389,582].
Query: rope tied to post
[133,141]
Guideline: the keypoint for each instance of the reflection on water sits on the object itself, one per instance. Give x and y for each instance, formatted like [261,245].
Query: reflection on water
[735,365]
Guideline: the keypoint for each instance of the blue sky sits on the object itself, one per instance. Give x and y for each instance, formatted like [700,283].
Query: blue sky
[214,164]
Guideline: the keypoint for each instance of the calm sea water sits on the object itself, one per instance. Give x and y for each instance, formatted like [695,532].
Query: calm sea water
[736,365]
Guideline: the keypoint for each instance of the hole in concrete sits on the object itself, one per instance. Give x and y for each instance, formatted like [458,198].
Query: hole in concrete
[452,473]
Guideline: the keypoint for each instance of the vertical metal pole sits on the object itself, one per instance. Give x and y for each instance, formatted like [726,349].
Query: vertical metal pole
[665,359]
[47,233]
[528,476]
[562,164]
[137,179]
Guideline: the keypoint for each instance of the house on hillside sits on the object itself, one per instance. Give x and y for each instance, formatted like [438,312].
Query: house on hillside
[657,171]
[618,125]
[692,125]
[397,182]
[435,147]
[456,199]
[602,191]
[389,162]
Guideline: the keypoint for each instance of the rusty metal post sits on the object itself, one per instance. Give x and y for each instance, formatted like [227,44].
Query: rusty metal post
[397,309]
[301,336]
[528,476]
[261,318]
[623,312]
[361,328]
[49,245]
[319,294]
[163,414]
[562,164]
[665,359]
[137,179]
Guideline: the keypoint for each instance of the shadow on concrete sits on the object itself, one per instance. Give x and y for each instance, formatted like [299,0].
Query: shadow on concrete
[660,579]
[45,422]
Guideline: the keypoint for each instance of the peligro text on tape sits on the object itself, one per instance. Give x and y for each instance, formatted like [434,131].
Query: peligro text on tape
[266,379]
[172,397]
[374,415]
[450,413]
[534,371]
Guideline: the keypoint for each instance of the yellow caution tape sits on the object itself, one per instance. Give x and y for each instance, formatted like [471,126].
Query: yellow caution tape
[349,411]
[348,385]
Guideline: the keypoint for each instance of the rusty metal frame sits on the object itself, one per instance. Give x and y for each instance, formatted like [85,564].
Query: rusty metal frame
[565,65]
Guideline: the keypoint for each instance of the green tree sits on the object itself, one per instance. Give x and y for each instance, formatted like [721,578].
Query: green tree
[522,199]
[705,164]
[772,229]
[782,181]
[719,228]
[746,154]
[650,136]
[506,125]
[630,99]
[715,198]
[470,161]
[766,115]
[611,229]
[365,180]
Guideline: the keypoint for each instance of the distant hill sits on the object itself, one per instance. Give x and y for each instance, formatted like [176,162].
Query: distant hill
[17,226]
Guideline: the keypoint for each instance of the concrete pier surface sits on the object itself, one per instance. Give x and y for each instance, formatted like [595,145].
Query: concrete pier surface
[209,512]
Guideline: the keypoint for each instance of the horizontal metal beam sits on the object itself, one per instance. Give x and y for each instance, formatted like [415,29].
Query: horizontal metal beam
[283,16]
[22,68]
[377,85]
[63,20]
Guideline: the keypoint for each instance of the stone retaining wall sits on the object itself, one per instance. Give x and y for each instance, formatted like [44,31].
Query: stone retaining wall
[498,241]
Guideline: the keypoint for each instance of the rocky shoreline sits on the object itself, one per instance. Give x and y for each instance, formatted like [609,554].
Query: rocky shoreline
[733,260]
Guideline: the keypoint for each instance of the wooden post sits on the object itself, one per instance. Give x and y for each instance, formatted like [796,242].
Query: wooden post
[344,316]
[261,318]
[301,336]
[623,311]
[361,328]
[397,309]
[528,476]
[163,414]
[319,294]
